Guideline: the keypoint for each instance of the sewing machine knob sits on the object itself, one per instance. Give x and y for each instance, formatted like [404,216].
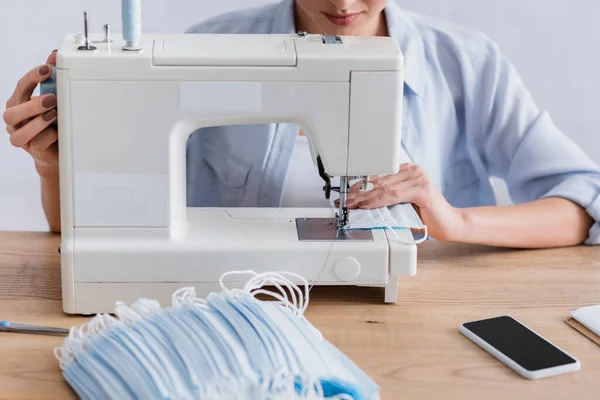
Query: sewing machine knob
[347,269]
[327,189]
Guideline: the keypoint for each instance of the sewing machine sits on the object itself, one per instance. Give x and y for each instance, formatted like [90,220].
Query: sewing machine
[124,114]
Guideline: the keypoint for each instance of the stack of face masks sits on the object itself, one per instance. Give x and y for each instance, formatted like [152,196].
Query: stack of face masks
[229,345]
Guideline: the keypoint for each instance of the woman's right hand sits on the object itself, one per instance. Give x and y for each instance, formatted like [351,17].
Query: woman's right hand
[29,120]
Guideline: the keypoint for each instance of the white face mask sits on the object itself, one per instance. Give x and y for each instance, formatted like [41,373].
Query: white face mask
[399,216]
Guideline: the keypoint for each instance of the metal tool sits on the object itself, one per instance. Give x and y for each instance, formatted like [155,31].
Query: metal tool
[6,326]
[87,35]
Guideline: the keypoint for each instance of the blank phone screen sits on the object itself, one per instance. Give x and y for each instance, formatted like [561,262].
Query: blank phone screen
[518,343]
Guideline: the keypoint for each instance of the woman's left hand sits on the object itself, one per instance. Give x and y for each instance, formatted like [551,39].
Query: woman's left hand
[412,185]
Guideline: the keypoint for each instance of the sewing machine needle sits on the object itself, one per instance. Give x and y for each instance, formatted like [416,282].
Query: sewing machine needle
[6,326]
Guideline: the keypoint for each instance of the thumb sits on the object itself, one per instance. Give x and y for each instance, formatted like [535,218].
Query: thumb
[52,58]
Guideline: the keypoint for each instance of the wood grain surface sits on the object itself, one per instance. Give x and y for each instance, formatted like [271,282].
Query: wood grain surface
[412,349]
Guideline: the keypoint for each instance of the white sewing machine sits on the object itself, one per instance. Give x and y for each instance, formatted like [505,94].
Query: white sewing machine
[124,119]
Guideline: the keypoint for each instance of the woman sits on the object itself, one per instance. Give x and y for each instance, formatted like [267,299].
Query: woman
[468,117]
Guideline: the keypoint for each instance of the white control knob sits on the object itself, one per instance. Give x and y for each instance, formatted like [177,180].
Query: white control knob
[347,269]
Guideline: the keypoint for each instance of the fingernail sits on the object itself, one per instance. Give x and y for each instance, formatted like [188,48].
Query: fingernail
[49,116]
[49,101]
[44,70]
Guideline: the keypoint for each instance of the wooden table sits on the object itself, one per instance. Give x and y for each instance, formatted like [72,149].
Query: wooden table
[412,349]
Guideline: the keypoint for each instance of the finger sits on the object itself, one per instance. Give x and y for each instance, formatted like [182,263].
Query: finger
[49,157]
[383,200]
[10,129]
[52,58]
[27,85]
[18,126]
[38,105]
[377,192]
[383,178]
[25,134]
[43,141]
[401,192]
[354,188]
[349,202]
[418,195]
[406,166]
[368,198]
[351,198]
[337,202]
[396,190]
[405,173]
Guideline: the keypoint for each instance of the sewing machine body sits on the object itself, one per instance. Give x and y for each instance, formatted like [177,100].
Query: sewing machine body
[124,120]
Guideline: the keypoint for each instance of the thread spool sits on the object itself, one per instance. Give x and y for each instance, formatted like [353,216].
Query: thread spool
[131,12]
[49,85]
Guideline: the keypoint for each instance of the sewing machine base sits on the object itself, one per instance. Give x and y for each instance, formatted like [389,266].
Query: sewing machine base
[325,229]
[96,298]
[101,266]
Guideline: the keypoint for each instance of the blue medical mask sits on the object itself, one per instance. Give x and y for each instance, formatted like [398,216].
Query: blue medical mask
[227,346]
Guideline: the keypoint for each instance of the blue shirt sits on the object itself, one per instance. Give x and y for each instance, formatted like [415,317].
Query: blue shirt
[467,117]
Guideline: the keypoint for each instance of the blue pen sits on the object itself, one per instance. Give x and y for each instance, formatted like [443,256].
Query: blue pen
[7,326]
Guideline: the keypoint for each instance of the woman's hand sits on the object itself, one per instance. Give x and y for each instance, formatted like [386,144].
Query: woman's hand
[412,185]
[29,124]
[28,120]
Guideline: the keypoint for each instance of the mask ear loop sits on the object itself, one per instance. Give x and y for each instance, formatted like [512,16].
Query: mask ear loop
[226,274]
[279,280]
[424,238]
[273,279]
[276,278]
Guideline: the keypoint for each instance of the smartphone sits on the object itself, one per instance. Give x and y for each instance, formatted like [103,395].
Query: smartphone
[518,347]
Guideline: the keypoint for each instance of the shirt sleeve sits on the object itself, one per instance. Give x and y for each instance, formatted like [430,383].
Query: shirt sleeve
[515,141]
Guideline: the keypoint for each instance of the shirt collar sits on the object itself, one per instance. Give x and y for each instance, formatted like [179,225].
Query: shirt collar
[401,29]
